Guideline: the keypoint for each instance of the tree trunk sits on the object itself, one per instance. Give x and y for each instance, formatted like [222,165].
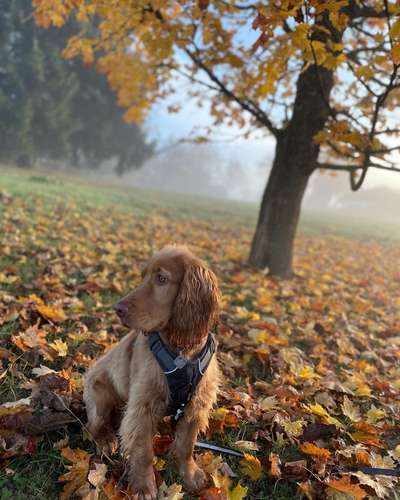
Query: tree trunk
[272,245]
[295,158]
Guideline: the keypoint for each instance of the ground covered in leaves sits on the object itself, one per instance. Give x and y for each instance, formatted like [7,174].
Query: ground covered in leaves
[311,365]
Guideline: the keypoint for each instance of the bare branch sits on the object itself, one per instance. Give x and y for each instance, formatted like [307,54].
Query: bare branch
[354,168]
[245,103]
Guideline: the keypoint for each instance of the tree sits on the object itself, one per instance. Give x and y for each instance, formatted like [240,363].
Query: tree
[320,76]
[55,109]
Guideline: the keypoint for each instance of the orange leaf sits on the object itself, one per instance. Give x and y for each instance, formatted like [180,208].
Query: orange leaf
[77,473]
[345,486]
[315,451]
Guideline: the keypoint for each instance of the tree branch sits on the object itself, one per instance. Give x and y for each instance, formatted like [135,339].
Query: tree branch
[353,168]
[246,104]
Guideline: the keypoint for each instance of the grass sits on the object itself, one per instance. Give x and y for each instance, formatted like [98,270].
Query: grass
[57,187]
[36,477]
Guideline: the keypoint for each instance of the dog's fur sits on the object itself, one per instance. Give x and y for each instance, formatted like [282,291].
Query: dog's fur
[178,297]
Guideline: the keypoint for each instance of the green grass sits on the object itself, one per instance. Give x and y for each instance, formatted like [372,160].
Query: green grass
[57,187]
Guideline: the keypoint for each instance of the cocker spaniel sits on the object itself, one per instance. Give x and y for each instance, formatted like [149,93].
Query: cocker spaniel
[179,299]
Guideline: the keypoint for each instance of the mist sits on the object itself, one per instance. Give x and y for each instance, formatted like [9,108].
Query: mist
[215,171]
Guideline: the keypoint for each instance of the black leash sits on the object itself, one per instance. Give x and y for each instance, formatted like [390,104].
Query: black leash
[337,469]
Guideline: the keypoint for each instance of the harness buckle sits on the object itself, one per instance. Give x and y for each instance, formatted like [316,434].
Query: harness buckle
[180,362]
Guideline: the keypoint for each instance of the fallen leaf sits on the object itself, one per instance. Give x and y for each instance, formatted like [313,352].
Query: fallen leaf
[77,472]
[345,485]
[97,476]
[251,467]
[172,492]
[315,451]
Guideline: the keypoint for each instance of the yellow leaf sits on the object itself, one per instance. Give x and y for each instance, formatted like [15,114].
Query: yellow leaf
[395,29]
[60,346]
[251,466]
[374,414]
[238,493]
[396,54]
[320,411]
[295,428]
[52,313]
[221,481]
[306,372]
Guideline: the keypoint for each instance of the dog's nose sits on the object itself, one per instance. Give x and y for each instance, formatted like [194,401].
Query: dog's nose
[121,308]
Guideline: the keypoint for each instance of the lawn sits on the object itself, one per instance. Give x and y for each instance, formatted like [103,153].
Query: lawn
[311,365]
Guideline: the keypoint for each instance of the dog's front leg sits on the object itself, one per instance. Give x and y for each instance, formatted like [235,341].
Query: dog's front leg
[194,478]
[136,432]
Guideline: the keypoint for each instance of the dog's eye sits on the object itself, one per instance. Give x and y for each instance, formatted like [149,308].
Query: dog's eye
[161,279]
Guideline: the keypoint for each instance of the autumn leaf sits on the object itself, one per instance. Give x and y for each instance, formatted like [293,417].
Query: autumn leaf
[77,473]
[320,411]
[247,445]
[350,410]
[172,492]
[268,403]
[60,346]
[42,370]
[275,465]
[315,451]
[345,485]
[52,313]
[97,476]
[239,492]
[251,467]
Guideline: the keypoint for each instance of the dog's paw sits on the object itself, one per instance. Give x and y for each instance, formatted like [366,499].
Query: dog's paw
[195,479]
[144,486]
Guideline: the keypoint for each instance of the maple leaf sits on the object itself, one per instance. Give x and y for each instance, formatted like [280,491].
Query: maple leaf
[60,346]
[315,451]
[77,473]
[251,467]
[345,485]
[239,492]
[52,313]
[319,410]
[172,492]
[350,410]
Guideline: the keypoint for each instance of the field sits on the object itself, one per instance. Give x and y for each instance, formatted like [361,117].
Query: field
[311,365]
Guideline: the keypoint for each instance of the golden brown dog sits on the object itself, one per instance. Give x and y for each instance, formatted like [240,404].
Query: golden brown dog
[179,298]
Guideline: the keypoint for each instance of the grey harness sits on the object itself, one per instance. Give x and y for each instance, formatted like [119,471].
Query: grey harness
[183,375]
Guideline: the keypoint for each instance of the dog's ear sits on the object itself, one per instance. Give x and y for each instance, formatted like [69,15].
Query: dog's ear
[195,308]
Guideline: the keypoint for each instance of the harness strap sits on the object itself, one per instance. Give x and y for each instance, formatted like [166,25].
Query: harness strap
[183,375]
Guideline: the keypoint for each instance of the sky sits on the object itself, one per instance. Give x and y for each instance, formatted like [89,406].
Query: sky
[168,128]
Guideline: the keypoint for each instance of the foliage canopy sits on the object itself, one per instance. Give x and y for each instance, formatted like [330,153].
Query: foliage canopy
[248,56]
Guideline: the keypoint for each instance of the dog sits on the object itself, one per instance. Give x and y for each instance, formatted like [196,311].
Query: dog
[178,298]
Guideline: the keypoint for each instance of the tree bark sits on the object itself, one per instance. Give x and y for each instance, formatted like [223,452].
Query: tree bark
[295,159]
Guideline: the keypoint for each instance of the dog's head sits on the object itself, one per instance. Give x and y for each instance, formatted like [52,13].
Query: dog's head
[178,295]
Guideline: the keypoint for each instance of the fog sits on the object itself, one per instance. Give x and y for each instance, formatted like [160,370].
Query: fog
[217,171]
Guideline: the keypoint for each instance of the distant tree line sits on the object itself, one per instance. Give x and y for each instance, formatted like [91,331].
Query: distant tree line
[56,109]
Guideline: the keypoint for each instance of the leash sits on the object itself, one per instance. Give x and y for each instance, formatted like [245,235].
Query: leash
[337,469]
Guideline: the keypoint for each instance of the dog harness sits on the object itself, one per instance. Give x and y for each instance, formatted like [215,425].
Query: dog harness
[183,375]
